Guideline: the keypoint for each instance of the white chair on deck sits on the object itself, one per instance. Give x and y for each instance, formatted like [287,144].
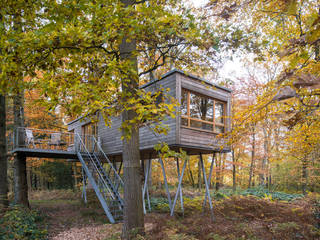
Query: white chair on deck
[30,138]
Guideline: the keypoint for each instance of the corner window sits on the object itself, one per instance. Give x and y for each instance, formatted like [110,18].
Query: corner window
[202,112]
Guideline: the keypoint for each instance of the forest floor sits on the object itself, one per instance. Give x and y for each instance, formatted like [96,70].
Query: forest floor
[237,217]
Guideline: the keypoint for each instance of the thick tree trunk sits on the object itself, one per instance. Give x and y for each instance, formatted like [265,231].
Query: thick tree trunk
[29,180]
[3,155]
[20,183]
[20,166]
[133,223]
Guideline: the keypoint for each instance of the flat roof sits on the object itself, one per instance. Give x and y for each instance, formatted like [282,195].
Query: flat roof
[187,75]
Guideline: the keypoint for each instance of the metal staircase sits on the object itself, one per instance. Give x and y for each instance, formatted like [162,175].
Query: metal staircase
[107,184]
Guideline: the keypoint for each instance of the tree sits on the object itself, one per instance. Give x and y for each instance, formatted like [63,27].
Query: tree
[94,61]
[17,17]
[3,155]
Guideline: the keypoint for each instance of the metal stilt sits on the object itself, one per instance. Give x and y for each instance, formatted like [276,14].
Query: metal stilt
[179,187]
[209,179]
[120,167]
[148,195]
[207,187]
[165,181]
[181,198]
[145,187]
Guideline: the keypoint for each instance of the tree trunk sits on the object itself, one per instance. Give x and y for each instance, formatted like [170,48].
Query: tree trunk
[75,179]
[223,167]
[133,223]
[234,173]
[265,159]
[190,174]
[304,176]
[252,156]
[29,180]
[20,171]
[199,176]
[3,155]
[218,172]
[20,183]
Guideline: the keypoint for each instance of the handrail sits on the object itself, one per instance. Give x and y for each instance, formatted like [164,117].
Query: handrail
[43,130]
[96,168]
[115,171]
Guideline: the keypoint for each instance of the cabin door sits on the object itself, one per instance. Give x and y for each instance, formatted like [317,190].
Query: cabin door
[89,133]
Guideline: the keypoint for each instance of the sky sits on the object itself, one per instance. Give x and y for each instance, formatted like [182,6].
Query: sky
[232,69]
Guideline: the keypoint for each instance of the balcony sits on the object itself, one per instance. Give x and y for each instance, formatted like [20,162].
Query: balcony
[46,143]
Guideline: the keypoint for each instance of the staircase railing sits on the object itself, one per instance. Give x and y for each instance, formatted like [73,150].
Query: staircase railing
[106,192]
[112,171]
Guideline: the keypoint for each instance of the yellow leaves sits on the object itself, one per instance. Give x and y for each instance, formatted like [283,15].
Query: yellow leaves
[313,35]
[291,7]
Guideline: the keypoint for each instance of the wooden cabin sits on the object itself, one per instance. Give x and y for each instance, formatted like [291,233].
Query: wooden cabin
[205,113]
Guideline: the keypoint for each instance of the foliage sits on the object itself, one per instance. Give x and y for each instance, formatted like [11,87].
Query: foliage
[159,204]
[21,223]
[259,192]
[263,193]
[58,174]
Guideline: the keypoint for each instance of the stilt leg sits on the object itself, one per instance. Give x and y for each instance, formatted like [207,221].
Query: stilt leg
[145,187]
[149,173]
[165,181]
[179,187]
[207,187]
[120,167]
[181,198]
[209,180]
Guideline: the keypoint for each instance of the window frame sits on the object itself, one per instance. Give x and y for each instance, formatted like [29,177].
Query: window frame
[213,122]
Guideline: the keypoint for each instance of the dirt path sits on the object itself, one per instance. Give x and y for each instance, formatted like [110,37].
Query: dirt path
[238,218]
[68,218]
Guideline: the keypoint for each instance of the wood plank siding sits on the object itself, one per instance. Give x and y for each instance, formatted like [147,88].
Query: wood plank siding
[178,136]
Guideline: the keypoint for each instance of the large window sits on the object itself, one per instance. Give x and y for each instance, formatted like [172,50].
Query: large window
[198,111]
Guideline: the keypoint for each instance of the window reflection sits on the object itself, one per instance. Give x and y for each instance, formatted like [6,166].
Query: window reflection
[184,102]
[203,112]
[201,107]
[219,112]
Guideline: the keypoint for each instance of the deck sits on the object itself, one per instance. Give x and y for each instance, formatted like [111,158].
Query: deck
[38,143]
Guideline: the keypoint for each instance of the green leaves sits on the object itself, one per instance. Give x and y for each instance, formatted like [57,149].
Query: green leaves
[21,223]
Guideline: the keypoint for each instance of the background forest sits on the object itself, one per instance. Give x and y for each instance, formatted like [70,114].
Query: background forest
[56,65]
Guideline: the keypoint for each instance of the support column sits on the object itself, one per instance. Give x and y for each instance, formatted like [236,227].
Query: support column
[207,187]
[165,181]
[209,179]
[145,187]
[181,198]
[179,188]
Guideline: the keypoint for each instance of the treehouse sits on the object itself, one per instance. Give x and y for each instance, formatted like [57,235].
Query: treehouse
[204,114]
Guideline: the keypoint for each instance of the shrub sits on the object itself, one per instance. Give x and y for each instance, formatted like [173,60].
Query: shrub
[20,223]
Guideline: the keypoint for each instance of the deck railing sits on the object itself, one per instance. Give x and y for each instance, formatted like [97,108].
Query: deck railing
[32,138]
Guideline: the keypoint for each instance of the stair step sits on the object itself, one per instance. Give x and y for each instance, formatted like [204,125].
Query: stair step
[107,183]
